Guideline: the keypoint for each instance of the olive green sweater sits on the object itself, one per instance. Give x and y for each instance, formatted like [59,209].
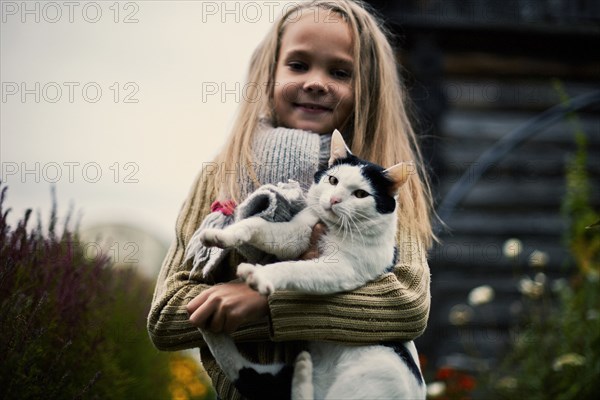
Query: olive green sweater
[395,307]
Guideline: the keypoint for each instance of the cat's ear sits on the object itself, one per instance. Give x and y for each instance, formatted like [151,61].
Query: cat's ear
[339,149]
[399,174]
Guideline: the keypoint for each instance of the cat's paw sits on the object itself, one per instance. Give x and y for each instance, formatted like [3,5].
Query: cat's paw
[255,278]
[210,238]
[244,270]
[302,380]
[304,366]
[224,238]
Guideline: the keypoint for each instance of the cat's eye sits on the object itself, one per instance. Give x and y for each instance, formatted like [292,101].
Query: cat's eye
[333,180]
[359,193]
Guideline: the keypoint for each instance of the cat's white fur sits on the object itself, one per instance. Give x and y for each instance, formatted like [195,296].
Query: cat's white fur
[357,248]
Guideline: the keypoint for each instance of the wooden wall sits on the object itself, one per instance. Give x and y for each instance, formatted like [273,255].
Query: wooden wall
[476,71]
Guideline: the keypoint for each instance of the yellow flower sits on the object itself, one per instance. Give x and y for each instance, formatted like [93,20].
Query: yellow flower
[197,389]
[182,370]
[190,364]
[178,393]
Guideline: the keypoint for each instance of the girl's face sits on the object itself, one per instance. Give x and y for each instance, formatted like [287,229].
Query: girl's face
[313,79]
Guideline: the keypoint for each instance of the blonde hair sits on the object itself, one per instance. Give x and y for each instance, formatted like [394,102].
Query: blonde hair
[379,130]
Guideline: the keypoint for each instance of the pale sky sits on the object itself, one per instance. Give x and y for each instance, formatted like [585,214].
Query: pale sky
[121,115]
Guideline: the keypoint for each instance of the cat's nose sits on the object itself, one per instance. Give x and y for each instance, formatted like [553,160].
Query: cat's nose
[334,200]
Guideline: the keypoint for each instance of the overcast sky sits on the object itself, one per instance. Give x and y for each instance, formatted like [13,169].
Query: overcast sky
[119,103]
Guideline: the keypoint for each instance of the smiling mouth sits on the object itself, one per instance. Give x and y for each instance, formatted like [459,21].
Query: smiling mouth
[311,107]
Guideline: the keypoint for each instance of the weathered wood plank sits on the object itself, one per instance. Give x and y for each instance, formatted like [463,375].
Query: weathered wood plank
[496,194]
[475,125]
[503,66]
[507,223]
[502,94]
[482,253]
[493,194]
[531,162]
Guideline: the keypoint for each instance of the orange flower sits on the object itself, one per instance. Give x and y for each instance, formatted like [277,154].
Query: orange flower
[466,382]
[445,373]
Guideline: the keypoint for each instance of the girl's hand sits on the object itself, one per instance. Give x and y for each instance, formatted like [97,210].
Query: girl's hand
[223,308]
[313,251]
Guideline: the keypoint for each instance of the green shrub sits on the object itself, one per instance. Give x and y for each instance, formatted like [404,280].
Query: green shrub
[72,327]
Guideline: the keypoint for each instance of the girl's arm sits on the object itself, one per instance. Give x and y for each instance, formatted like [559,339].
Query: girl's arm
[168,321]
[394,307]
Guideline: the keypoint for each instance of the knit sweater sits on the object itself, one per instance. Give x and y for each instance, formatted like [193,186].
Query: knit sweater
[394,307]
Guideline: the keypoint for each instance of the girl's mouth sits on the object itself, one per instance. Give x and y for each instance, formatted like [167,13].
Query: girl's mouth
[311,108]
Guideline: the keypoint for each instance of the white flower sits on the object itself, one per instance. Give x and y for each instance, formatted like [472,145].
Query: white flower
[435,389]
[532,288]
[460,314]
[481,295]
[512,248]
[538,259]
[569,359]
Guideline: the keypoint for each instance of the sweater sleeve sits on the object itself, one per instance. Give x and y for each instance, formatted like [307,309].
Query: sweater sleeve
[394,307]
[168,320]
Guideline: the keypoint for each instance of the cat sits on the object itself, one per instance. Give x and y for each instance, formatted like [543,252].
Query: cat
[356,200]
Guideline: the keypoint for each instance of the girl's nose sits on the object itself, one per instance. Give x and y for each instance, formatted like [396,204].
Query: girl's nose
[316,82]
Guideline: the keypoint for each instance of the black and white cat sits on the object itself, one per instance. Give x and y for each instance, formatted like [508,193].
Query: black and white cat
[356,200]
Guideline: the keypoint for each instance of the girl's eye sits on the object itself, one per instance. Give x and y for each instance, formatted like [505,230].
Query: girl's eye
[361,194]
[333,180]
[297,66]
[341,74]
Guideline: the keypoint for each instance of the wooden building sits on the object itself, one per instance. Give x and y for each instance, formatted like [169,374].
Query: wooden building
[476,71]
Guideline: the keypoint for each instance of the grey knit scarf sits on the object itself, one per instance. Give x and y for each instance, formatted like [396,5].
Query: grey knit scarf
[279,155]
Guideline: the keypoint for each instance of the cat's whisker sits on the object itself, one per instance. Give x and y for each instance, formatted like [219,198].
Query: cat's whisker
[350,219]
[350,228]
[362,214]
[342,226]
[347,227]
[346,218]
[364,219]
[359,232]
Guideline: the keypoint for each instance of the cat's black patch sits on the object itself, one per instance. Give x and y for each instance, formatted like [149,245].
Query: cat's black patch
[257,386]
[394,262]
[405,355]
[320,174]
[382,185]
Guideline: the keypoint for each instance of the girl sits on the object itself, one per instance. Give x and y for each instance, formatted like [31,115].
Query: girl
[324,65]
